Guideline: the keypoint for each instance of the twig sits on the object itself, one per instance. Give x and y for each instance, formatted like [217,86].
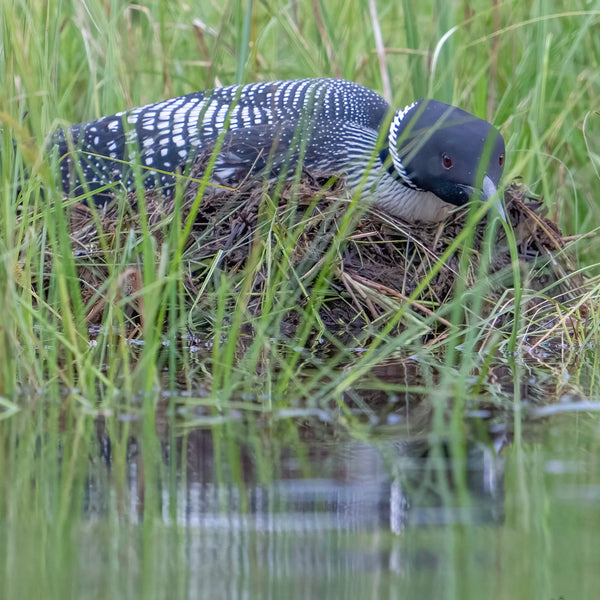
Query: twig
[385,77]
[570,238]
[394,293]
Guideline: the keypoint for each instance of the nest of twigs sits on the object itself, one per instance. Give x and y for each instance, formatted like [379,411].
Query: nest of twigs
[376,262]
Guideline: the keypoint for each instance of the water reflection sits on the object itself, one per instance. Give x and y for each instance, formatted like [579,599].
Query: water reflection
[380,497]
[332,512]
[321,497]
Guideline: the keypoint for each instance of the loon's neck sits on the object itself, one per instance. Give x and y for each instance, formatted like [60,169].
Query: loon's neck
[388,165]
[381,185]
[411,204]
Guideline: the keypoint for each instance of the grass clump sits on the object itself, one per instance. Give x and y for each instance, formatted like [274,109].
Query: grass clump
[380,263]
[292,267]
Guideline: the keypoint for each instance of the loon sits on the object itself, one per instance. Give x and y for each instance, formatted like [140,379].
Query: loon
[416,163]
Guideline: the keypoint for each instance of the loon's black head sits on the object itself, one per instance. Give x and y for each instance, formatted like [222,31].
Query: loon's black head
[444,150]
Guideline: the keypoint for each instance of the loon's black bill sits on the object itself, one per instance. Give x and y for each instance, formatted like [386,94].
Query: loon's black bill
[489,191]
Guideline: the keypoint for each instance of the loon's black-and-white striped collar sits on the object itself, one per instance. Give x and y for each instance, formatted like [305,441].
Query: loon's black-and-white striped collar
[397,168]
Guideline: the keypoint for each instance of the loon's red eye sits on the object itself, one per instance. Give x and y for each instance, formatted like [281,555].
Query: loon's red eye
[446,161]
[501,159]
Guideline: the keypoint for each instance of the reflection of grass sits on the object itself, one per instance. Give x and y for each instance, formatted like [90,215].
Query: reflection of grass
[536,79]
[144,525]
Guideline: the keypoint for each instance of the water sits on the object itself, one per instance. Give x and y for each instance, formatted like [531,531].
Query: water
[302,503]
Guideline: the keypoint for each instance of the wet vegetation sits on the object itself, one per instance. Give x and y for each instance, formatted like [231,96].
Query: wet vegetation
[238,393]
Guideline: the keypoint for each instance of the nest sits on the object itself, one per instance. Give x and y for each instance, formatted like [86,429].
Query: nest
[375,261]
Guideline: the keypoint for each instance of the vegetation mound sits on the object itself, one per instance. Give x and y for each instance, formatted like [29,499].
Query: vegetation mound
[364,262]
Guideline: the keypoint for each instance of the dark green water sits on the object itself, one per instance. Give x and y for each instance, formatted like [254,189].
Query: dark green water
[397,501]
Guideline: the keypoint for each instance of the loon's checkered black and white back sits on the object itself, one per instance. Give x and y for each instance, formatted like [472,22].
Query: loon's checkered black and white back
[326,121]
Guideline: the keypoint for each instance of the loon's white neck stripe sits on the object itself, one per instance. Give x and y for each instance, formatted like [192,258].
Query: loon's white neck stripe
[393,146]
